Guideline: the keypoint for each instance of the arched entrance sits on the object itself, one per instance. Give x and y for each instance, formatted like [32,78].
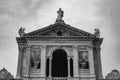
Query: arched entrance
[59,63]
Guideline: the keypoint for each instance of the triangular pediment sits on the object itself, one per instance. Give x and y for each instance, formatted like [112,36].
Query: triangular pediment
[59,29]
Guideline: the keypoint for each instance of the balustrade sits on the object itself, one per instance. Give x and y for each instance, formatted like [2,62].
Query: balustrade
[57,78]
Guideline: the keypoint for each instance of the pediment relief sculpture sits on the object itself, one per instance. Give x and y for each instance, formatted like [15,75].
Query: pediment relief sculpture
[59,33]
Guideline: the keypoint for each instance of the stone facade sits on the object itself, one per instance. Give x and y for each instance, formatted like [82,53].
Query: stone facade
[38,49]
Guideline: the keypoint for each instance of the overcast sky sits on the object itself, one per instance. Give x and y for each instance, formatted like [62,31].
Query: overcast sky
[83,14]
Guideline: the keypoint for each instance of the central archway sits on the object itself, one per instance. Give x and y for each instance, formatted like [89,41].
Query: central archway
[59,63]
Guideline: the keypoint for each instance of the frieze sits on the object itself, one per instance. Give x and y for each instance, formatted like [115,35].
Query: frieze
[85,47]
[36,46]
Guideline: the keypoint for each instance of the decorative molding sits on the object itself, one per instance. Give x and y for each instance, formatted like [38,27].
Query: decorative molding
[82,47]
[67,48]
[43,47]
[68,38]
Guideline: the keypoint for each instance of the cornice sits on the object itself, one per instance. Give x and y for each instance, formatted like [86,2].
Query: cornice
[21,40]
[69,38]
[97,41]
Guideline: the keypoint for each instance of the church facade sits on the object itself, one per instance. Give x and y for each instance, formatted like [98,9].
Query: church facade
[59,52]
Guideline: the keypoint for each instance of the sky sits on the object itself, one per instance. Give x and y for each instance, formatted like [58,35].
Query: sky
[82,14]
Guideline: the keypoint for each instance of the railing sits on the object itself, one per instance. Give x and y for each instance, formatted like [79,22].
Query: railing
[57,78]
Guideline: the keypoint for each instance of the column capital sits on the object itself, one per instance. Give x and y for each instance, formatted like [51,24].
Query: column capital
[98,47]
[68,57]
[21,46]
[43,46]
[90,47]
[50,57]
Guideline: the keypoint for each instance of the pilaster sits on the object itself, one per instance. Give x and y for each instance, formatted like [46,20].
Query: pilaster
[75,61]
[21,50]
[27,68]
[91,61]
[43,60]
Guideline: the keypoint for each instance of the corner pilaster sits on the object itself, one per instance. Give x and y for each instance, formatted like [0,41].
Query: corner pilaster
[27,68]
[100,76]
[19,67]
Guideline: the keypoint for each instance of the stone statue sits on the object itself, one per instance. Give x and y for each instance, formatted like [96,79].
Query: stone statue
[21,32]
[60,14]
[5,75]
[97,32]
[113,75]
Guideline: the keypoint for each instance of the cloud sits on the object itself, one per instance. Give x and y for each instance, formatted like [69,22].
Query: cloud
[32,13]
[109,11]
[13,15]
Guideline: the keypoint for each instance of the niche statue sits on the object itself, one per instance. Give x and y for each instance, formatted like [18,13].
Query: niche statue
[83,60]
[35,60]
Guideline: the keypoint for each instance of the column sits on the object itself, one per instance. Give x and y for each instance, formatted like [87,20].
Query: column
[43,60]
[99,62]
[68,67]
[50,66]
[75,61]
[19,66]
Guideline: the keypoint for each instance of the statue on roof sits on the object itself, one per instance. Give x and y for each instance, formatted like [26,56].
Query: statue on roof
[114,75]
[21,32]
[97,33]
[60,14]
[5,75]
